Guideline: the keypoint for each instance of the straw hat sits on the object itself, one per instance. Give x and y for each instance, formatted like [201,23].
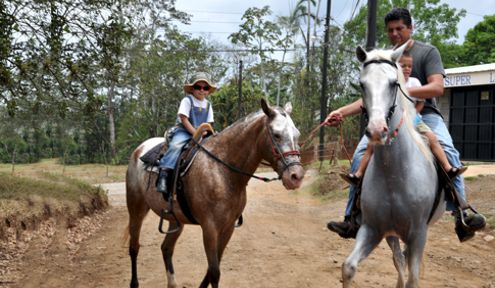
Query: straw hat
[199,76]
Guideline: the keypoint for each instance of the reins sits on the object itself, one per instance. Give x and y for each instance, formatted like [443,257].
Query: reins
[231,167]
[312,134]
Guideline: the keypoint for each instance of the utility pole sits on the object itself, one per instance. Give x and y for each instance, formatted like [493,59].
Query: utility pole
[324,82]
[370,44]
[239,89]
[371,37]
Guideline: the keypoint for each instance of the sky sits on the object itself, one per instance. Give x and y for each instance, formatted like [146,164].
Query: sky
[217,19]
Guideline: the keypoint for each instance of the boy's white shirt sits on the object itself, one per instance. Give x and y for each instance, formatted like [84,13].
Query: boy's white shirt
[414,82]
[185,108]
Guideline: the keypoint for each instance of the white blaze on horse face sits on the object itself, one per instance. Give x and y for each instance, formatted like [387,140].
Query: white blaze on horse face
[377,80]
[283,126]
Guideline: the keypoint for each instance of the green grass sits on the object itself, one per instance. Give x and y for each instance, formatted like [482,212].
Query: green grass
[327,186]
[91,173]
[39,191]
[46,186]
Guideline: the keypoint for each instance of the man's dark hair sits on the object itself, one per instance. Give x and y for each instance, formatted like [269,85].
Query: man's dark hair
[399,14]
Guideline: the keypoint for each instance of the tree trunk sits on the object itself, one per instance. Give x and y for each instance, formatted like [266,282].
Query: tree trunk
[13,160]
[111,118]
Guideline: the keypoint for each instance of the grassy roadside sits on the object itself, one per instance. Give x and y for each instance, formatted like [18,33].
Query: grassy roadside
[328,185]
[37,192]
[91,173]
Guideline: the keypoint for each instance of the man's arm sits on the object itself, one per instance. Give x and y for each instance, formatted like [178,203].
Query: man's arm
[433,89]
[336,116]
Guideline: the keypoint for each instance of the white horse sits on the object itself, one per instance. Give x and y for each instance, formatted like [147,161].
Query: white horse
[400,184]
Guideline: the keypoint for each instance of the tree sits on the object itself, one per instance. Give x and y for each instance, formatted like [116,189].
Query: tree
[257,34]
[433,22]
[479,45]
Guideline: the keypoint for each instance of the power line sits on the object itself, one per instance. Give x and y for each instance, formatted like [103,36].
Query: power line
[250,50]
[212,32]
[223,22]
[212,12]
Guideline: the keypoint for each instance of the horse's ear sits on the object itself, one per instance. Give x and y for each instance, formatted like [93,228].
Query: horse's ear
[397,53]
[361,54]
[268,111]
[288,107]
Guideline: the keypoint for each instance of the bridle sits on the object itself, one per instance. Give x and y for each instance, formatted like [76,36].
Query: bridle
[279,155]
[391,110]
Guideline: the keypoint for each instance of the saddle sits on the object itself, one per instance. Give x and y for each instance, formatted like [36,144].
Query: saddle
[151,159]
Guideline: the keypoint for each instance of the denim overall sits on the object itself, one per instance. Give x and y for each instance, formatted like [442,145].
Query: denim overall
[181,136]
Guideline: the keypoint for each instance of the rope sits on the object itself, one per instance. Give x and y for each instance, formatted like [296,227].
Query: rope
[342,144]
[341,139]
[312,134]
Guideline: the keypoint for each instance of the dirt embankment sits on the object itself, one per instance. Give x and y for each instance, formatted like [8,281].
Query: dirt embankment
[283,243]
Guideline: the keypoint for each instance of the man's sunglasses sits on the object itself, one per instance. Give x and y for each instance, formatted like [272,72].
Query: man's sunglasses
[199,87]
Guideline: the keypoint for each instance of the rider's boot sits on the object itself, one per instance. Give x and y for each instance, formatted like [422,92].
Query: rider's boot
[350,178]
[161,183]
[346,229]
[466,225]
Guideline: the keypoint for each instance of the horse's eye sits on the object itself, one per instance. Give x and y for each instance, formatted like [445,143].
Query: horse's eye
[277,136]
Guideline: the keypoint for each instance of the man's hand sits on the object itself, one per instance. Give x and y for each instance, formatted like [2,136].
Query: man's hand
[334,118]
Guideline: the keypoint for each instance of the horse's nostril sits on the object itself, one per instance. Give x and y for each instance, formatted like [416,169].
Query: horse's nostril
[294,176]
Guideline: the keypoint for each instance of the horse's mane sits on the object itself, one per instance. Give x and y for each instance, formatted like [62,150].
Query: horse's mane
[409,110]
[244,120]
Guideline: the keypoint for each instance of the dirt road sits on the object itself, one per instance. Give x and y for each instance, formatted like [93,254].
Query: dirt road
[283,243]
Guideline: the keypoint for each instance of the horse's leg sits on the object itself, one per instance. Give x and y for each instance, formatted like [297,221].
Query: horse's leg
[168,246]
[137,209]
[366,240]
[211,244]
[415,247]
[399,259]
[223,240]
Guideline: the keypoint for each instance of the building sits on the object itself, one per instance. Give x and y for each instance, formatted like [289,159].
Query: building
[468,107]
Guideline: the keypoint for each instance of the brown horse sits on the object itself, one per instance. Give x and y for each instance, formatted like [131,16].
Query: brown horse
[215,191]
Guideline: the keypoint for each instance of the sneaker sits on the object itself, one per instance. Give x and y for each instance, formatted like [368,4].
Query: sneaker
[346,229]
